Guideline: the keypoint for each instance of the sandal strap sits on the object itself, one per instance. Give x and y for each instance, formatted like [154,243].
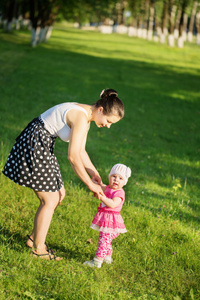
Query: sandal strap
[49,250]
[44,254]
[51,256]
[29,238]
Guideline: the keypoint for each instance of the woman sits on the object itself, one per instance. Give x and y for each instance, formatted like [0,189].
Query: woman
[31,162]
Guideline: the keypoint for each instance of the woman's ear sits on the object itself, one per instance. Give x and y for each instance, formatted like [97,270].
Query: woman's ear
[100,109]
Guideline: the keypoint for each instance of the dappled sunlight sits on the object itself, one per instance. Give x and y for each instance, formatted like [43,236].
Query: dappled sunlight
[189,96]
[122,47]
[20,38]
[173,159]
[161,191]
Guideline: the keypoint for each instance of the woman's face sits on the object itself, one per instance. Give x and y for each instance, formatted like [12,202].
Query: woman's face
[102,120]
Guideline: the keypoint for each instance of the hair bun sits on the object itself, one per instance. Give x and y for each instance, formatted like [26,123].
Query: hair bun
[113,93]
[108,92]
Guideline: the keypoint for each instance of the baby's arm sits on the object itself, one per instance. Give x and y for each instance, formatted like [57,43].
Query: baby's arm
[103,186]
[112,203]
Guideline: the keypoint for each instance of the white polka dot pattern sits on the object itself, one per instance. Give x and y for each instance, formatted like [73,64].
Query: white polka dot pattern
[31,162]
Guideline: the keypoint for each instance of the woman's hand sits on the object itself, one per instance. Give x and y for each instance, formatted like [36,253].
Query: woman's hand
[97,179]
[61,194]
[96,189]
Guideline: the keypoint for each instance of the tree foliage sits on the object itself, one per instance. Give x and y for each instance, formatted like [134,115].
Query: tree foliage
[166,14]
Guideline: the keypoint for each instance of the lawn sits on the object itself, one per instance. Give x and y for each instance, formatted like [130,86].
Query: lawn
[159,256]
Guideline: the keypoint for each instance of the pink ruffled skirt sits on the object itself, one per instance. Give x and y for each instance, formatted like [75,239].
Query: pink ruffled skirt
[108,222]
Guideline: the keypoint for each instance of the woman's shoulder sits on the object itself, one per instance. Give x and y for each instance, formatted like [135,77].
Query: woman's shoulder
[77,108]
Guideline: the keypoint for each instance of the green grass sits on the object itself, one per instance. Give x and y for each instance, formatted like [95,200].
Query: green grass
[159,256]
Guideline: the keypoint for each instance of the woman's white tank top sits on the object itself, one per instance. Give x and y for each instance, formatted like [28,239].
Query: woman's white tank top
[55,119]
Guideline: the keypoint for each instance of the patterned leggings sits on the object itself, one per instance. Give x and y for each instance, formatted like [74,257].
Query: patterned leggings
[104,247]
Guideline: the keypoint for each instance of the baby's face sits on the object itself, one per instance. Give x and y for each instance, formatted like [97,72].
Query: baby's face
[116,182]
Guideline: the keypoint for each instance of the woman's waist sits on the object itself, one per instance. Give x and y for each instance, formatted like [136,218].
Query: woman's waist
[41,121]
[56,130]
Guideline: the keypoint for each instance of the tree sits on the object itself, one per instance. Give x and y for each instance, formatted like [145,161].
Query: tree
[198,27]
[184,4]
[172,10]
[151,18]
[192,18]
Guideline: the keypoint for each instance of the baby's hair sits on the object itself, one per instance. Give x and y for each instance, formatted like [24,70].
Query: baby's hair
[111,103]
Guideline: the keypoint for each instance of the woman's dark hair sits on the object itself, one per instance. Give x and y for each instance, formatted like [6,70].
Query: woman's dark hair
[111,103]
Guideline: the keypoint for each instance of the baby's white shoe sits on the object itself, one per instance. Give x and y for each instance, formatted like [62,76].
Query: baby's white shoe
[95,263]
[108,260]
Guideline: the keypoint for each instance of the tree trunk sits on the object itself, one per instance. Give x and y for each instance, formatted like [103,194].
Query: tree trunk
[25,21]
[145,19]
[42,19]
[176,30]
[198,28]
[139,29]
[157,29]
[132,30]
[164,23]
[151,15]
[48,34]
[34,15]
[17,17]
[180,42]
[120,13]
[185,20]
[191,25]
[35,36]
[9,15]
[172,10]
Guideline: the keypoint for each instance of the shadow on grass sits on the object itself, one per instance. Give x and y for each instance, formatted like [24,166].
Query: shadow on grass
[175,213]
[14,240]
[17,242]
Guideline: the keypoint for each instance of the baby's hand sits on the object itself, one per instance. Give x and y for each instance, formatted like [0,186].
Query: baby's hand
[99,196]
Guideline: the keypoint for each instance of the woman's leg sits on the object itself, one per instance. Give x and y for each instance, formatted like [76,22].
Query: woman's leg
[48,203]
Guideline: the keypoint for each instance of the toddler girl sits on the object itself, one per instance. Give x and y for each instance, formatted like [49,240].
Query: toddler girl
[108,220]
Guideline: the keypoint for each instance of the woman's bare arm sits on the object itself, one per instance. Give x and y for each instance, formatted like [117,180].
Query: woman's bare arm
[78,122]
[90,168]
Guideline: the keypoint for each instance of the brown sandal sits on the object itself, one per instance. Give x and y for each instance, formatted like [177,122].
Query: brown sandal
[47,256]
[47,248]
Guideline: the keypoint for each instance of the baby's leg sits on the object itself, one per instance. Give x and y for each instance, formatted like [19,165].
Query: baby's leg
[100,254]
[112,236]
[105,247]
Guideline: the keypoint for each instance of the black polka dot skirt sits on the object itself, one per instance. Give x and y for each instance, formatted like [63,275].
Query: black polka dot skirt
[31,162]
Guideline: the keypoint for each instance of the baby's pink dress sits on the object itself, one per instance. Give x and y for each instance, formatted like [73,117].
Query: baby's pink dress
[109,220]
